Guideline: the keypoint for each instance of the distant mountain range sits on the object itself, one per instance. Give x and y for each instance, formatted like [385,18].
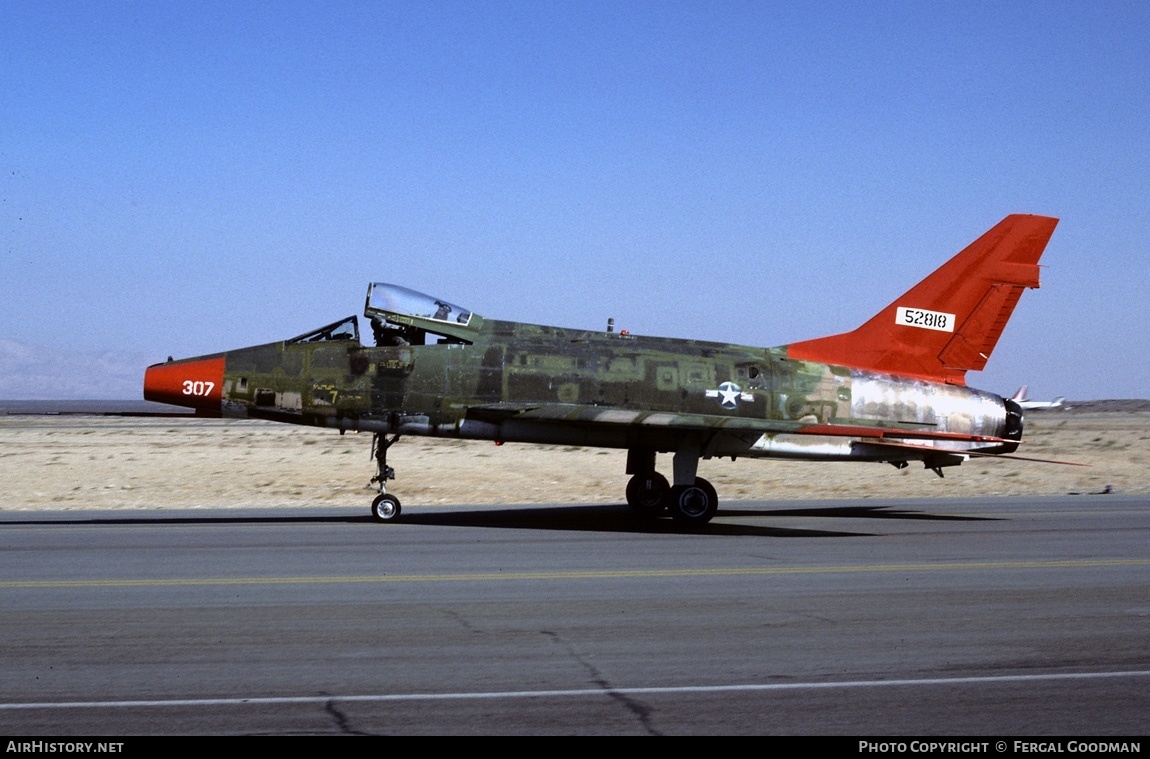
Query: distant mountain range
[35,373]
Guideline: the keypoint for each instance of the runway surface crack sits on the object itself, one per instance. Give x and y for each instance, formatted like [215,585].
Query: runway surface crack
[341,720]
[636,707]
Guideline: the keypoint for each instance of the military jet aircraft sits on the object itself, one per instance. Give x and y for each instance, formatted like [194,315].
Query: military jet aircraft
[893,390]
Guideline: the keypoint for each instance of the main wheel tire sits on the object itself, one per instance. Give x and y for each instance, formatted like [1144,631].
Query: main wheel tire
[647,494]
[385,508]
[693,504]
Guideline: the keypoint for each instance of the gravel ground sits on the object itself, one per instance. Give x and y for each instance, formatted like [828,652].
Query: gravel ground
[92,462]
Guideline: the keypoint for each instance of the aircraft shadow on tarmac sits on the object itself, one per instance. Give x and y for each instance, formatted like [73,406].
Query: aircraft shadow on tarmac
[613,518]
[618,518]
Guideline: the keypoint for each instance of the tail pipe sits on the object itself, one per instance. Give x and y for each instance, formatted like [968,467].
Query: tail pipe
[1012,430]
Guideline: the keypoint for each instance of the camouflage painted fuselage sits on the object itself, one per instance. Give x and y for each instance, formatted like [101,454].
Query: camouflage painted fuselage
[517,382]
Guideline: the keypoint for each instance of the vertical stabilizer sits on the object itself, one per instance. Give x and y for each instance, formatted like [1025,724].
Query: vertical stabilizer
[948,323]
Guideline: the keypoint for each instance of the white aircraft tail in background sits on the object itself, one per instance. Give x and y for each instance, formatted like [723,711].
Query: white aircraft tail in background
[1021,399]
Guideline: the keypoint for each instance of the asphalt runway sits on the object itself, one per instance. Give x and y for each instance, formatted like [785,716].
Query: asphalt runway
[996,617]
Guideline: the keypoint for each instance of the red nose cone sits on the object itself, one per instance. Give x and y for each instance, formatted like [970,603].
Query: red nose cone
[195,384]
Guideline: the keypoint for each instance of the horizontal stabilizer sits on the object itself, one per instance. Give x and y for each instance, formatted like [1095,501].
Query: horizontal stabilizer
[930,449]
[885,433]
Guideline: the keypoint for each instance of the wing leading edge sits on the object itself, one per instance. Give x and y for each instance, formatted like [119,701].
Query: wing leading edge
[578,414]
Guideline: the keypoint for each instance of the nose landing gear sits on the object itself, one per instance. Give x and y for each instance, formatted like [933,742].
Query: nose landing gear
[385,507]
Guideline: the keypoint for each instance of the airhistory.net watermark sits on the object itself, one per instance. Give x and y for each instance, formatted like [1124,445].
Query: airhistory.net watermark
[63,747]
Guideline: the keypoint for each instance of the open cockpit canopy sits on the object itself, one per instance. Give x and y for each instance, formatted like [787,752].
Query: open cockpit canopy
[400,316]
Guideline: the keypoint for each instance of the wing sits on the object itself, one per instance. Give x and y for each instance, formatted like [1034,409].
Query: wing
[912,442]
[582,415]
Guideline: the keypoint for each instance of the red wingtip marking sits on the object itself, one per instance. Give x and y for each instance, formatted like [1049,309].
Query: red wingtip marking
[195,384]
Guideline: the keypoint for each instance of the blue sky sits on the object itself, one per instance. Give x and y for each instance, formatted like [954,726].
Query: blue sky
[186,177]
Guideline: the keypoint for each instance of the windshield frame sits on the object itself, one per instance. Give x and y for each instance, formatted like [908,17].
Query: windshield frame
[330,333]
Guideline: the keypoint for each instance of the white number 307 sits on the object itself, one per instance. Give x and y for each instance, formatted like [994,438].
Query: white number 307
[198,388]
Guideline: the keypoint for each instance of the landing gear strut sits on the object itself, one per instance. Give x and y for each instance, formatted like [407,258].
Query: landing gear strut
[385,507]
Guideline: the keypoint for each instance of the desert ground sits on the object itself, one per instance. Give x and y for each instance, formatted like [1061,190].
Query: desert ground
[94,462]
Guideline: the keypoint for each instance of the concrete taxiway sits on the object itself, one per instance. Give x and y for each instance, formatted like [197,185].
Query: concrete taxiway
[934,617]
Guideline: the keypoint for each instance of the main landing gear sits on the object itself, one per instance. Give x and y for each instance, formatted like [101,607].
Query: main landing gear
[692,500]
[385,507]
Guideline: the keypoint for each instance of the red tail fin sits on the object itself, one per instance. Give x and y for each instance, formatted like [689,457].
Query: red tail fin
[950,322]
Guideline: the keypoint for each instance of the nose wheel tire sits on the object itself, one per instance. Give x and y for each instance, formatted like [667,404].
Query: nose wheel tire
[693,504]
[385,508]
